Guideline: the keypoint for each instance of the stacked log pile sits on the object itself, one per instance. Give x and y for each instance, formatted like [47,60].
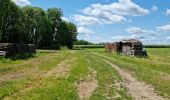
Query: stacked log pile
[11,49]
[113,47]
[127,47]
[109,47]
[132,47]
[127,50]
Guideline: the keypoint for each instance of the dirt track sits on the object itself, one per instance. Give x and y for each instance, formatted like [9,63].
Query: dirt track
[138,90]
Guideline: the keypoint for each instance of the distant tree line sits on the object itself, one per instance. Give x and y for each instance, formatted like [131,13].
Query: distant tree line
[33,25]
[82,42]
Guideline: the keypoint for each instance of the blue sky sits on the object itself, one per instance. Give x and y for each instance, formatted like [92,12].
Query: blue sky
[113,20]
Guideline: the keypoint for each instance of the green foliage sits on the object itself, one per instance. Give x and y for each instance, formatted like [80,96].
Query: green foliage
[67,33]
[22,56]
[33,25]
[87,46]
[82,42]
[157,46]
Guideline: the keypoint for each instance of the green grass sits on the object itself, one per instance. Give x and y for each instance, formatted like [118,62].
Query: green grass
[106,77]
[28,81]
[154,70]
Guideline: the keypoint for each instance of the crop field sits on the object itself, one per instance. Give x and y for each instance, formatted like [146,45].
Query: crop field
[89,74]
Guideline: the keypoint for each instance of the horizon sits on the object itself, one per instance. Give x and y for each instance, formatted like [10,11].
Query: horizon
[113,20]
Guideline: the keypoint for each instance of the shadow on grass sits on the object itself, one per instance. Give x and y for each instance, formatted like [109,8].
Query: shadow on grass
[22,56]
[132,56]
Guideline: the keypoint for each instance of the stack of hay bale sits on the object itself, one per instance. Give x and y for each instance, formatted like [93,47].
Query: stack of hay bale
[12,49]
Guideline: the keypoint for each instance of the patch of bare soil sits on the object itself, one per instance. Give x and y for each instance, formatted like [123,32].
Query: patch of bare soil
[117,86]
[61,70]
[165,77]
[87,85]
[33,60]
[138,90]
[26,71]
[17,75]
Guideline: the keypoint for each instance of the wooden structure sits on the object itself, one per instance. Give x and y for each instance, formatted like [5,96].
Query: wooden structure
[113,47]
[109,47]
[11,49]
[131,47]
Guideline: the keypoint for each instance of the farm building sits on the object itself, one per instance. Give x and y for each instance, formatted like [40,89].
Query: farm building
[127,47]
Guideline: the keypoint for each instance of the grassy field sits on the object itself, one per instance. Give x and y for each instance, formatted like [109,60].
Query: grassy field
[154,70]
[81,74]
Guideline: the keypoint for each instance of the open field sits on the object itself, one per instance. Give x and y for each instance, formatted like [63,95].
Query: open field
[85,74]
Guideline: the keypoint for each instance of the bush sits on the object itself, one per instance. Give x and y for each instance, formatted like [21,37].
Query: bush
[157,46]
[22,56]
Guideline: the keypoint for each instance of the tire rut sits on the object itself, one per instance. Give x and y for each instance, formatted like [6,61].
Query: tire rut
[137,89]
[87,85]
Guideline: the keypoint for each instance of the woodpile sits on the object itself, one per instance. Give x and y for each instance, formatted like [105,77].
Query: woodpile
[113,47]
[109,47]
[131,47]
[12,49]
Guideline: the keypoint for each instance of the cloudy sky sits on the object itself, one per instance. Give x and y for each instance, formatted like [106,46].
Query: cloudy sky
[113,20]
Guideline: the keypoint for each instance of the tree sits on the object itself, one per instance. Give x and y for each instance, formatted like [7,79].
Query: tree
[4,4]
[46,40]
[33,25]
[9,14]
[82,42]
[38,19]
[67,32]
[54,16]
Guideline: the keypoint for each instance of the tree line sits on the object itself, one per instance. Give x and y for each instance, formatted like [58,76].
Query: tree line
[33,25]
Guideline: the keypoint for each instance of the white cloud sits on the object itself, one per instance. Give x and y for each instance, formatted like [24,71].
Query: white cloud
[154,8]
[136,36]
[84,30]
[108,19]
[164,28]
[132,36]
[168,37]
[117,38]
[168,12]
[65,19]
[110,13]
[122,7]
[85,20]
[22,2]
[137,30]
[134,30]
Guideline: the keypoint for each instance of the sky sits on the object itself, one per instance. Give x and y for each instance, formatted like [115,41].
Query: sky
[114,20]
